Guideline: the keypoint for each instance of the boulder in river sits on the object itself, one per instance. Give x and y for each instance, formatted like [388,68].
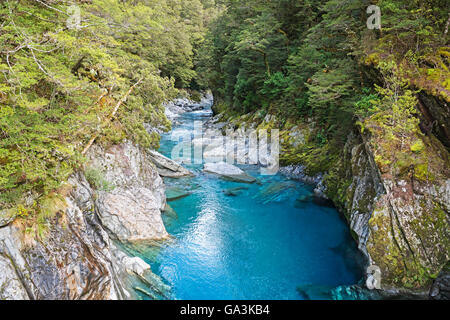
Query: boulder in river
[170,212]
[136,265]
[167,167]
[302,200]
[229,172]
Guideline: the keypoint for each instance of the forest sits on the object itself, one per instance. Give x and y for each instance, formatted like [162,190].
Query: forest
[82,72]
[62,85]
[314,59]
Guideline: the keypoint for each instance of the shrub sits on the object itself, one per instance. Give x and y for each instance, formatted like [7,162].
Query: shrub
[97,179]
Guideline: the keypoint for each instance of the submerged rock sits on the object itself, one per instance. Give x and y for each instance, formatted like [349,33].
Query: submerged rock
[170,212]
[228,172]
[234,191]
[323,202]
[354,292]
[214,152]
[175,193]
[136,265]
[275,191]
[244,178]
[157,288]
[315,292]
[146,292]
[302,200]
[440,290]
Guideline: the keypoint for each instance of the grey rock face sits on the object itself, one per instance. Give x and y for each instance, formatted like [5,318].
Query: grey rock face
[131,214]
[131,211]
[76,258]
[298,172]
[72,261]
[5,217]
[400,223]
[126,166]
[363,190]
[11,286]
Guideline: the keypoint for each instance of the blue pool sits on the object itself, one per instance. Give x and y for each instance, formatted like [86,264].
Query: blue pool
[250,241]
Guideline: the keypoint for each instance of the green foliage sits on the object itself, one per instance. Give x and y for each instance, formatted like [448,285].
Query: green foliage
[366,103]
[287,57]
[273,88]
[196,96]
[97,180]
[399,146]
[418,146]
[303,58]
[59,86]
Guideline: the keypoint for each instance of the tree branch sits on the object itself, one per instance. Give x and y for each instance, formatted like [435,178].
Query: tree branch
[124,98]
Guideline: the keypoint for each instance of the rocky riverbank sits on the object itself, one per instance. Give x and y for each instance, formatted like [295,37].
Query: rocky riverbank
[400,225]
[115,201]
[78,258]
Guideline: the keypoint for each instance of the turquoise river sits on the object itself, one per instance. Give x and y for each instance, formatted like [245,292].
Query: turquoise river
[256,242]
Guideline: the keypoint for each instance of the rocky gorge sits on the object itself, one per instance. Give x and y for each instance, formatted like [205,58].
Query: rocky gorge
[314,140]
[400,224]
[118,200]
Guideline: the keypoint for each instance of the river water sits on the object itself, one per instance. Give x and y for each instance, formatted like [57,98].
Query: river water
[250,241]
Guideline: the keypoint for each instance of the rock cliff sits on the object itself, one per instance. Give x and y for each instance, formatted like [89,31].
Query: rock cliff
[78,257]
[401,223]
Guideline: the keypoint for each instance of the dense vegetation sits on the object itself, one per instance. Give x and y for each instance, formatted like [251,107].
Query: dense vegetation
[319,60]
[67,83]
[64,84]
[305,57]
